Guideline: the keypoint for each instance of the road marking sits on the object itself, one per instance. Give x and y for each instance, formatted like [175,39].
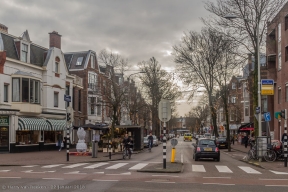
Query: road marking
[116,166]
[128,173]
[96,165]
[4,170]
[136,162]
[54,178]
[159,182]
[75,172]
[164,176]
[138,166]
[276,185]
[10,177]
[217,177]
[249,170]
[198,168]
[223,169]
[51,166]
[217,184]
[279,173]
[181,158]
[30,171]
[104,180]
[273,179]
[75,165]
[99,172]
[29,166]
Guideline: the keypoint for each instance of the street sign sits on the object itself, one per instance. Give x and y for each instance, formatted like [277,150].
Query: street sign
[174,142]
[267,87]
[267,116]
[277,115]
[164,110]
[67,98]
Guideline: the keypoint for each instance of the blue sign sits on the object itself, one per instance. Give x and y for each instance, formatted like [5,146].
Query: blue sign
[67,98]
[267,81]
[267,116]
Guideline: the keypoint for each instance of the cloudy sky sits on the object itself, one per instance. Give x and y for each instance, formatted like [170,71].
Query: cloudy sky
[136,29]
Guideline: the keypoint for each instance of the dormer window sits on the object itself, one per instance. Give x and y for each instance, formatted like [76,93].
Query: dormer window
[79,61]
[24,53]
[92,61]
[56,67]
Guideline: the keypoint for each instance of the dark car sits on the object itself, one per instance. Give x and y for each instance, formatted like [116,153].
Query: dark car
[222,142]
[206,148]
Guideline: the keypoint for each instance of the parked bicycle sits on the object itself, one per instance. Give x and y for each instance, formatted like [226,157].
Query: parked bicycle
[252,153]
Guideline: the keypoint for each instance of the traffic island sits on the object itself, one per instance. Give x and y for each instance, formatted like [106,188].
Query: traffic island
[158,168]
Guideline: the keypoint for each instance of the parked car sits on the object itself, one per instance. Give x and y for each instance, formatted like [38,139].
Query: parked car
[155,141]
[206,148]
[187,137]
[222,142]
[207,135]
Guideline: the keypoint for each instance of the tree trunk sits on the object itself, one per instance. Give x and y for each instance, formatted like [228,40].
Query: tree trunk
[255,96]
[227,120]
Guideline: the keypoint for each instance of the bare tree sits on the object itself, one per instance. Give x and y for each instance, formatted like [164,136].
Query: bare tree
[197,57]
[157,85]
[250,13]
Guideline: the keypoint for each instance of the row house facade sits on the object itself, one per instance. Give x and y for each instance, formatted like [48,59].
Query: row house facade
[33,82]
[277,67]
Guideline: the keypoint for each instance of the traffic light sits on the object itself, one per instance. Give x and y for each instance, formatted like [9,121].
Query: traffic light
[284,114]
[68,117]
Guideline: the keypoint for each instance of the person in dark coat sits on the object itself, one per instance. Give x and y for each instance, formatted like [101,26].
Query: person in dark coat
[246,140]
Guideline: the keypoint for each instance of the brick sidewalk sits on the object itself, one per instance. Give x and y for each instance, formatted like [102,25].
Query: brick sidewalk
[275,166]
[52,157]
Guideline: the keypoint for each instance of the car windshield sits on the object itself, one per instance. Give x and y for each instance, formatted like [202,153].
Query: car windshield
[222,139]
[187,134]
[206,142]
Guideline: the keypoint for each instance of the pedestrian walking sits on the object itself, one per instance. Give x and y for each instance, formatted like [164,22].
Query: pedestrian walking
[246,140]
[232,139]
[59,139]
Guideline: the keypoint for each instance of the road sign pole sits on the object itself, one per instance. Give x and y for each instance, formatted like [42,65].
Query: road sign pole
[285,139]
[164,146]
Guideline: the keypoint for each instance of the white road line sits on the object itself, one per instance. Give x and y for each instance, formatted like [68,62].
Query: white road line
[51,166]
[54,178]
[164,176]
[249,170]
[279,173]
[276,185]
[75,165]
[159,182]
[137,162]
[75,172]
[217,184]
[128,173]
[273,179]
[116,166]
[138,166]
[198,168]
[95,165]
[223,169]
[4,170]
[10,177]
[181,158]
[99,173]
[217,177]
[104,180]
[29,166]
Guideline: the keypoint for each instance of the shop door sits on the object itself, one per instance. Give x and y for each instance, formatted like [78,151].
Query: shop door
[4,138]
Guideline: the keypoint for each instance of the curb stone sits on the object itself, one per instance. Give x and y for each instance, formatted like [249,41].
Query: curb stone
[252,163]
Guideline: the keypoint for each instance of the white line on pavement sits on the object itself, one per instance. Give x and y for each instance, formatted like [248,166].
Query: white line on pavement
[104,180]
[273,179]
[223,169]
[4,170]
[10,177]
[249,170]
[128,173]
[217,184]
[276,185]
[159,182]
[138,166]
[29,166]
[51,166]
[217,177]
[198,168]
[279,173]
[164,176]
[54,178]
[96,165]
[116,166]
[75,172]
[75,165]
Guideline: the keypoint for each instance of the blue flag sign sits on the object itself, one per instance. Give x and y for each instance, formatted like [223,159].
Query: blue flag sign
[267,116]
[67,98]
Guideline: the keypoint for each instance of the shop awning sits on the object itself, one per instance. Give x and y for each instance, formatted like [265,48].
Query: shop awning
[32,124]
[56,124]
[246,127]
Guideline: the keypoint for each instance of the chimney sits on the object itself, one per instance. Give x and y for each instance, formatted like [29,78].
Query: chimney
[3,28]
[55,40]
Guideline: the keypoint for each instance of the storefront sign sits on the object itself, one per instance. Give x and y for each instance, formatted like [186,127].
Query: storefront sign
[4,120]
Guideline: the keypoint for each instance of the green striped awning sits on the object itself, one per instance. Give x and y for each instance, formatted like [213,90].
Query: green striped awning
[56,124]
[32,124]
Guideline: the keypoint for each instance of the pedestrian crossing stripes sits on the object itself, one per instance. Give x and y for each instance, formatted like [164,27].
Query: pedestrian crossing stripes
[138,166]
[95,165]
[223,169]
[75,165]
[116,166]
[198,168]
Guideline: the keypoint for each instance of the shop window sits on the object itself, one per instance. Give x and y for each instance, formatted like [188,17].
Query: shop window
[91,105]
[5,93]
[26,137]
[50,136]
[56,98]
[28,88]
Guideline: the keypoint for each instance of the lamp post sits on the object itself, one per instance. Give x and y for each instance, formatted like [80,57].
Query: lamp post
[230,17]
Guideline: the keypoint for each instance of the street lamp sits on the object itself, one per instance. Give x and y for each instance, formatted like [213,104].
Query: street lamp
[231,17]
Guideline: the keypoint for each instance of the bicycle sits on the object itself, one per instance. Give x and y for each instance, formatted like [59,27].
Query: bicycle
[252,153]
[126,152]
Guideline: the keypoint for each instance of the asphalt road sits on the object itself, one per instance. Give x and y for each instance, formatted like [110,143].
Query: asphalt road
[206,175]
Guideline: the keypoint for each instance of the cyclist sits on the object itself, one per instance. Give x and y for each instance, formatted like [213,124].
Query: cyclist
[126,142]
[150,141]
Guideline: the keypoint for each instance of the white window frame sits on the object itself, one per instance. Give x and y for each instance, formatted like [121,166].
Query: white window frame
[92,81]
[98,106]
[90,105]
[233,85]
[56,99]
[233,99]
[279,47]
[92,60]
[246,113]
[24,52]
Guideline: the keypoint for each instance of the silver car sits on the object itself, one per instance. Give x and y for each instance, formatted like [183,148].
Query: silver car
[155,141]
[145,141]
